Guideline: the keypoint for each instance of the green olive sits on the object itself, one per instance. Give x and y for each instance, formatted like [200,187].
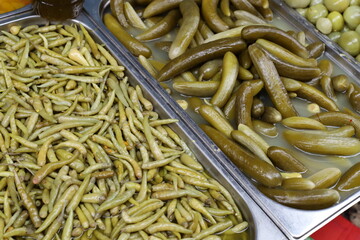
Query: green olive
[314,2]
[358,58]
[324,25]
[297,3]
[302,11]
[337,20]
[315,12]
[336,5]
[334,36]
[350,42]
[352,16]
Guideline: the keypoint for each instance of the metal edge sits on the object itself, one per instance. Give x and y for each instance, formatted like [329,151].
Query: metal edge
[287,219]
[249,208]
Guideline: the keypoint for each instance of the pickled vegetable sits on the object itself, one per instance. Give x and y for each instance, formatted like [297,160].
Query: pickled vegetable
[350,179]
[337,21]
[284,159]
[315,143]
[350,42]
[298,4]
[325,178]
[272,81]
[135,46]
[337,5]
[297,184]
[324,25]
[255,168]
[200,54]
[315,12]
[352,16]
[303,199]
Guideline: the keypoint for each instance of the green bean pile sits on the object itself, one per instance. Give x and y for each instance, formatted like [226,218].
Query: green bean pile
[265,96]
[85,156]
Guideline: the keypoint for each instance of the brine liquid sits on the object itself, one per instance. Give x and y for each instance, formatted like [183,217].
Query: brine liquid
[58,10]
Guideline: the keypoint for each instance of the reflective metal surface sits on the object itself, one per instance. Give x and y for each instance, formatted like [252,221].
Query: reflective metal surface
[295,223]
[260,225]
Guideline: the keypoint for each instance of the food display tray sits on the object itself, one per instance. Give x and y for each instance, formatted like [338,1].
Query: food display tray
[295,223]
[260,225]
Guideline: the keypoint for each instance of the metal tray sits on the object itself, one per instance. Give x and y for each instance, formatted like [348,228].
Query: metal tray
[260,226]
[294,17]
[295,223]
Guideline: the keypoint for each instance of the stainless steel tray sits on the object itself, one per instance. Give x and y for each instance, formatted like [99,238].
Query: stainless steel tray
[295,18]
[295,223]
[260,226]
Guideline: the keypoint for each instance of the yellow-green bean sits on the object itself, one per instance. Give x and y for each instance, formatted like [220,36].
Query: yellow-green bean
[58,207]
[145,223]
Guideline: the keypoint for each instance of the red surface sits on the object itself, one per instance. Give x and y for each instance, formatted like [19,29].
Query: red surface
[338,229]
